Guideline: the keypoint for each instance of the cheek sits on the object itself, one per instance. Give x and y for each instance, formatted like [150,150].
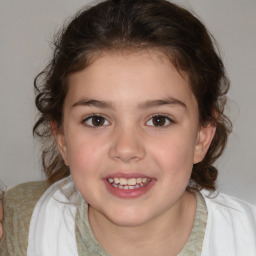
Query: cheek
[87,163]
[175,156]
[85,166]
[176,163]
[84,156]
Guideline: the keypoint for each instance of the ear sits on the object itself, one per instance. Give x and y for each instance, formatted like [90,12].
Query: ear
[204,139]
[60,141]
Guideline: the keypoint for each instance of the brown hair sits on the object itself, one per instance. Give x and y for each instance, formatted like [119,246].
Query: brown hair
[135,25]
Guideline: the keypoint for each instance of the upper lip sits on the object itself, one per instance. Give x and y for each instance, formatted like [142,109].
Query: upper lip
[127,175]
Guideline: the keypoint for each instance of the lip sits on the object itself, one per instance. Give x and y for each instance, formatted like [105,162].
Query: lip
[127,175]
[132,193]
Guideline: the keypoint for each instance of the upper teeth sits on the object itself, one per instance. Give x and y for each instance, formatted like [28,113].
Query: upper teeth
[130,182]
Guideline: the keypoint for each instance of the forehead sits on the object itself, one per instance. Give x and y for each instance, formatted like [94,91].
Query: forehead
[130,76]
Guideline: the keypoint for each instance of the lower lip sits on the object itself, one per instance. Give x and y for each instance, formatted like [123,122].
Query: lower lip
[129,193]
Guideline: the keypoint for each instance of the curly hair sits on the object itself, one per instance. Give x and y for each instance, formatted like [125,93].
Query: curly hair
[135,25]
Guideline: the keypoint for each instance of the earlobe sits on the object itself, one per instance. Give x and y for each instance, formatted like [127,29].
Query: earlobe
[60,141]
[204,139]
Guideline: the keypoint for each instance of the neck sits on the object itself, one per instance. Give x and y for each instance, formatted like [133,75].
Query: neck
[164,235]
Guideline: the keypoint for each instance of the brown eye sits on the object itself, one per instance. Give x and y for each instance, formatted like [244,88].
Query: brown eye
[96,121]
[159,121]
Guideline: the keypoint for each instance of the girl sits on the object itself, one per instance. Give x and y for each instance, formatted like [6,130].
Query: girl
[131,119]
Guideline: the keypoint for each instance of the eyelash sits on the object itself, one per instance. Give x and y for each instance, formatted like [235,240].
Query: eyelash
[90,118]
[166,118]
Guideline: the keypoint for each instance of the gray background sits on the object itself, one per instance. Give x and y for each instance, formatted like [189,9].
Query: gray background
[27,28]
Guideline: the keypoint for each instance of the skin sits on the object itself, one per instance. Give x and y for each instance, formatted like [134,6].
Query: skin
[128,142]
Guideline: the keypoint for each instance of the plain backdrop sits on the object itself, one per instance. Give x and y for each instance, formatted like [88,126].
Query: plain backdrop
[26,31]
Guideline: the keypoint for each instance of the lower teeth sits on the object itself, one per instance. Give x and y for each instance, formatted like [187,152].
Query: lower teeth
[127,187]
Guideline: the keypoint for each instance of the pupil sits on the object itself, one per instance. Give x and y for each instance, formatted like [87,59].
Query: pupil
[97,121]
[159,121]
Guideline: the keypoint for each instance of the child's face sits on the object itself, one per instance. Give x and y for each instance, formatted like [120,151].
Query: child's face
[145,132]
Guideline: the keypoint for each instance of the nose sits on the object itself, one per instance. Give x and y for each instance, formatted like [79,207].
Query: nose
[127,146]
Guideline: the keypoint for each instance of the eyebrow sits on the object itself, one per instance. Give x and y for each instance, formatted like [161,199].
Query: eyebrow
[161,102]
[94,103]
[144,105]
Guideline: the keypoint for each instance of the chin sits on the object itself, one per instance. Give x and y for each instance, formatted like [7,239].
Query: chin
[128,218]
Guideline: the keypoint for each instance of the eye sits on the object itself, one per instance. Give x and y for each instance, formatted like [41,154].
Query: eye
[159,121]
[95,121]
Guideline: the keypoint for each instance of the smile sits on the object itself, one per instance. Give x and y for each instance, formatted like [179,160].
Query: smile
[128,184]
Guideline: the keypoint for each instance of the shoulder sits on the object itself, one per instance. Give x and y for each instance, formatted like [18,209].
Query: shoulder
[24,192]
[19,203]
[21,200]
[54,216]
[231,226]
[227,203]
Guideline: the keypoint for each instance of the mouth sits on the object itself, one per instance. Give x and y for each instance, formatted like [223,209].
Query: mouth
[128,184]
[130,187]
